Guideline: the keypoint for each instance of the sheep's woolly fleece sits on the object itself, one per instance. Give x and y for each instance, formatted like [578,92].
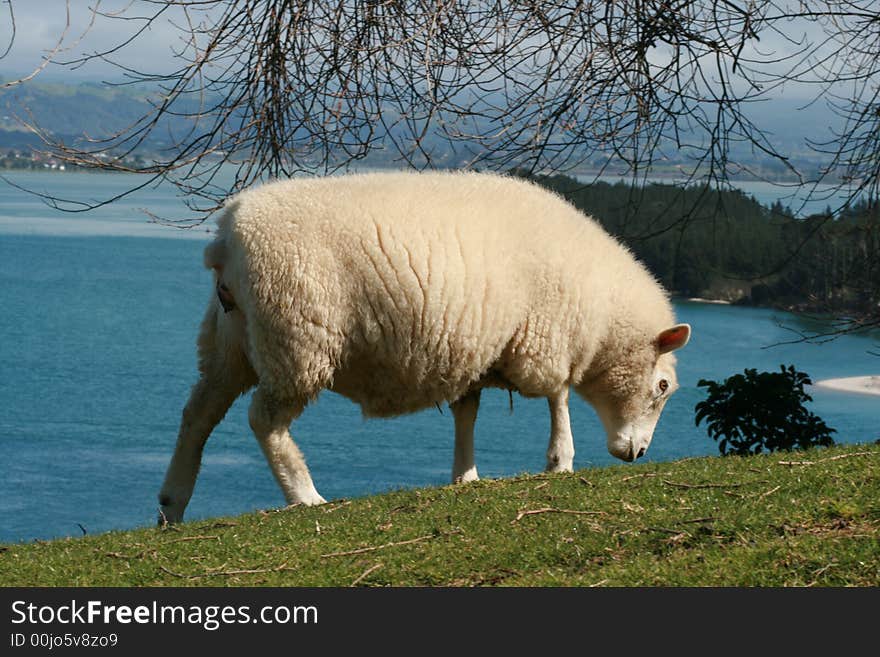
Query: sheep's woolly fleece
[402,290]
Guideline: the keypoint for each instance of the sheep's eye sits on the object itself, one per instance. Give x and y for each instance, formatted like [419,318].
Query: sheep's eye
[663,385]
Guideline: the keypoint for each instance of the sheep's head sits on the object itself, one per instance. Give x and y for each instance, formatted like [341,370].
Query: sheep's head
[629,395]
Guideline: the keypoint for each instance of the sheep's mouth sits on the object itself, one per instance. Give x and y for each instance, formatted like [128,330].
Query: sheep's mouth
[623,450]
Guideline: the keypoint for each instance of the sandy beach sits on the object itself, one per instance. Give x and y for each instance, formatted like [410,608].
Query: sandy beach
[868,385]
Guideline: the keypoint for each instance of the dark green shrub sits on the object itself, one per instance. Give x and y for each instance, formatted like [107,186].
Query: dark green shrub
[754,411]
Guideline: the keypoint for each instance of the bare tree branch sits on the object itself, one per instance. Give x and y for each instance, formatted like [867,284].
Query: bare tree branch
[47,59]
[274,88]
[279,87]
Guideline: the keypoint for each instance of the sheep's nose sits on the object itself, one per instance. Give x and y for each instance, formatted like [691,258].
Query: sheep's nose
[641,453]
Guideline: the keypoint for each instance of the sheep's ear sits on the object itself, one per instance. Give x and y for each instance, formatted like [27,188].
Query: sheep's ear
[673,338]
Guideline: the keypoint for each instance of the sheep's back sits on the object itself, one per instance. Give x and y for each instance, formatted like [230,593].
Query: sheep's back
[400,290]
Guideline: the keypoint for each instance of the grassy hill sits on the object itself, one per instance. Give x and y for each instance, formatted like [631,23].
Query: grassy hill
[789,519]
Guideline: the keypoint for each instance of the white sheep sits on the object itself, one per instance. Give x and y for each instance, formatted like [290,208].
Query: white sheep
[401,291]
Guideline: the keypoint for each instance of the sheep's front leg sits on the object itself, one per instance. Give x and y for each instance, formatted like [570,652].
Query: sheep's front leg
[464,411]
[270,420]
[560,452]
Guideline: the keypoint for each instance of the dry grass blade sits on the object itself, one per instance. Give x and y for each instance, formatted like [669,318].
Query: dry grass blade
[679,484]
[548,509]
[695,520]
[373,548]
[138,555]
[639,476]
[191,538]
[666,530]
[226,573]
[120,555]
[365,574]
[330,508]
[766,493]
[826,460]
[819,573]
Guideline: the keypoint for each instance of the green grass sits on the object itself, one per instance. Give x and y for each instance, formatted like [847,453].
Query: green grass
[728,521]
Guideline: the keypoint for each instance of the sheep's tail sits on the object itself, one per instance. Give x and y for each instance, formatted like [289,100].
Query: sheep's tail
[215,255]
[215,259]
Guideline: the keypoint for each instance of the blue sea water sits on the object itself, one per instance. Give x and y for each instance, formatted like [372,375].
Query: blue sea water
[98,323]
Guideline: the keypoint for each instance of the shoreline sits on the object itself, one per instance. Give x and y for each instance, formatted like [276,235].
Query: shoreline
[820,314]
[720,302]
[864,385]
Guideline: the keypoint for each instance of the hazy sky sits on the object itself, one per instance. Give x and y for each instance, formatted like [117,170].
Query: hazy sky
[40,23]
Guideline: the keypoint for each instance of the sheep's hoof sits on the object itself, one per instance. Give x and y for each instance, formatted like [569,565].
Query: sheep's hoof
[166,518]
[311,498]
[467,476]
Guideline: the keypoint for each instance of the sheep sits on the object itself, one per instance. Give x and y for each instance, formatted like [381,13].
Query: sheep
[402,290]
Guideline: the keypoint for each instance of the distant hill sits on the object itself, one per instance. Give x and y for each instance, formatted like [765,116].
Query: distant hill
[71,110]
[723,244]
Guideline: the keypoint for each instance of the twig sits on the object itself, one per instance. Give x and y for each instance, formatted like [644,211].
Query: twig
[138,555]
[379,547]
[171,572]
[676,532]
[496,576]
[587,482]
[601,582]
[192,538]
[639,476]
[364,574]
[819,572]
[119,555]
[549,509]
[830,458]
[706,519]
[164,525]
[227,573]
[684,485]
[765,494]
[546,483]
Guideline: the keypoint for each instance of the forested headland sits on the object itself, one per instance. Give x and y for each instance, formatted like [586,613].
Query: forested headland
[726,245]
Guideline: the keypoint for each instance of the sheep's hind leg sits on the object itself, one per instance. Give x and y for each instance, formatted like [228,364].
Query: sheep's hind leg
[270,420]
[225,374]
[464,411]
[208,402]
[560,452]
